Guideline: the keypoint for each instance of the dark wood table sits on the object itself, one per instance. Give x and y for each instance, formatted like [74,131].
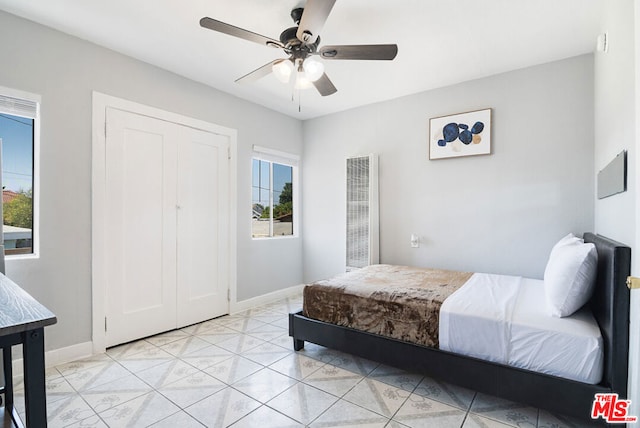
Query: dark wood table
[22,322]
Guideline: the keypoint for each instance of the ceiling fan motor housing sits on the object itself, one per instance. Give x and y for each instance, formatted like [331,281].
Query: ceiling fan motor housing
[294,46]
[296,14]
[301,42]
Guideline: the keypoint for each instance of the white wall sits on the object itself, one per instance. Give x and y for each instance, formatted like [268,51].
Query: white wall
[634,339]
[615,130]
[65,70]
[499,213]
[614,76]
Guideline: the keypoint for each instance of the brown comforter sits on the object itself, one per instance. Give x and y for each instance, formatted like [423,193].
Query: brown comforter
[394,301]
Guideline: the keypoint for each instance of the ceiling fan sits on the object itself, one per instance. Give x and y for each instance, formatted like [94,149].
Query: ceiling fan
[300,43]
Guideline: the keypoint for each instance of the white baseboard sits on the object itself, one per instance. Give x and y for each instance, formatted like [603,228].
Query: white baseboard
[265,299]
[55,357]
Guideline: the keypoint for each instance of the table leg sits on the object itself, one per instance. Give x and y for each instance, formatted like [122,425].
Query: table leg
[34,379]
[8,378]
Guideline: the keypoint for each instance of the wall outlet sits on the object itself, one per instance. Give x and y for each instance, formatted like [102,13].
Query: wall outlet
[415,241]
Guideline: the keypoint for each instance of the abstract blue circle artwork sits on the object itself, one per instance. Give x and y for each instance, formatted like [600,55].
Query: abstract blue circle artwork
[461,134]
[451,131]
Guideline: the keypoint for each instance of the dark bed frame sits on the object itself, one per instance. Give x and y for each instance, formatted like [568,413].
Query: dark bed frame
[610,305]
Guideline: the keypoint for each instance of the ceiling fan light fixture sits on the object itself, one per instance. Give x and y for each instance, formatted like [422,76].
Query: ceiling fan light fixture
[302,81]
[313,69]
[282,70]
[300,43]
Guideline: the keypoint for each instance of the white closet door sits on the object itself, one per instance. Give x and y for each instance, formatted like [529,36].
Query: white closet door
[140,226]
[203,226]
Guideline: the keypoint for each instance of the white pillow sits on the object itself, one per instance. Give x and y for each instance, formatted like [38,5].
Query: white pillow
[570,275]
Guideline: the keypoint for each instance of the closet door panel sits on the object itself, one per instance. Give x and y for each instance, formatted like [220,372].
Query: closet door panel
[141,238]
[202,232]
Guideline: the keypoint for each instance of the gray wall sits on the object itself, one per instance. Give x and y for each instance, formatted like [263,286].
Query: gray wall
[65,70]
[616,129]
[615,118]
[499,213]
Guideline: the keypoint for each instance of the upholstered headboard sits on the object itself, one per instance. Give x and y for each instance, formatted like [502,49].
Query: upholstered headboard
[610,306]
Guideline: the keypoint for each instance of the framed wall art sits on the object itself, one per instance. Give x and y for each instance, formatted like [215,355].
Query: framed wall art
[462,134]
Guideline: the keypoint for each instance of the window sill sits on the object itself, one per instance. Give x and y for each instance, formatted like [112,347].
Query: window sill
[15,257]
[270,238]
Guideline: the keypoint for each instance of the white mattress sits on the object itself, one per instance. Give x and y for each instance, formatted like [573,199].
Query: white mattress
[504,319]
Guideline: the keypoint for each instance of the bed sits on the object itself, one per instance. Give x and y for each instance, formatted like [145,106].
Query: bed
[609,306]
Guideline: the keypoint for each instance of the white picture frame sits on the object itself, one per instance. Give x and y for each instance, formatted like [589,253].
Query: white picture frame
[461,134]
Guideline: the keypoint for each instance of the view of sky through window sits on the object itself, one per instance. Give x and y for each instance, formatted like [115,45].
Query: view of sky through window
[17,135]
[272,217]
[17,152]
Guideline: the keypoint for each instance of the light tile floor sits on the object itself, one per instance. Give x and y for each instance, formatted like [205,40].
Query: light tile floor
[241,371]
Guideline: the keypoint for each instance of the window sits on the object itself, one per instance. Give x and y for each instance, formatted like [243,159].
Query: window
[18,138]
[274,194]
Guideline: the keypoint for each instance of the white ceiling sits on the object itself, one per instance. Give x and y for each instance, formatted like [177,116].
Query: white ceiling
[440,42]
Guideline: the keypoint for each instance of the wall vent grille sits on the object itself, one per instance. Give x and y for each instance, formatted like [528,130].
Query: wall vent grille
[362,211]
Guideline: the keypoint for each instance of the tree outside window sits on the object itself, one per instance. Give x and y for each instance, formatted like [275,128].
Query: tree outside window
[272,187]
[17,136]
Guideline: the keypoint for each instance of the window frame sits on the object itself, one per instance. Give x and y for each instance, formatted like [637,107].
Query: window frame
[282,158]
[35,227]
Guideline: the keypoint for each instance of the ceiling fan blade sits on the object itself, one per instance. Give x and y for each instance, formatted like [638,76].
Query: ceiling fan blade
[366,52]
[258,73]
[223,27]
[313,18]
[325,86]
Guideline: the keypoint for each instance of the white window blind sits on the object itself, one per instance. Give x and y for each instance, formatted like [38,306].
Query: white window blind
[277,156]
[18,107]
